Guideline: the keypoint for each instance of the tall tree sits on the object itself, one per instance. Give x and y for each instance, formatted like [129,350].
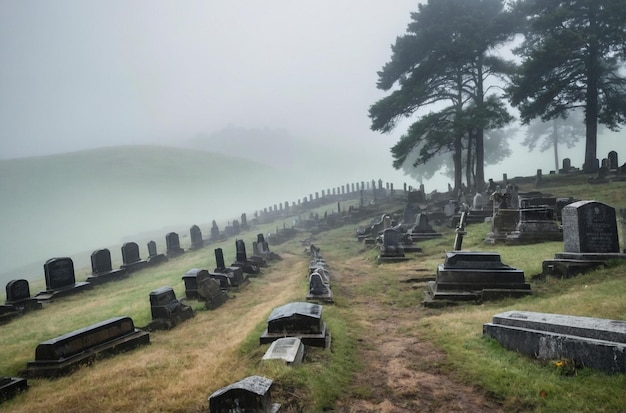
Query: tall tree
[548,135]
[443,60]
[573,55]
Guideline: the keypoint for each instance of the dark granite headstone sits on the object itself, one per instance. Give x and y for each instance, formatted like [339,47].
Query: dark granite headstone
[152,249]
[219,258]
[18,296]
[172,243]
[10,386]
[196,237]
[131,260]
[613,162]
[167,311]
[62,354]
[102,269]
[297,319]
[590,227]
[210,290]
[240,247]
[60,279]
[318,288]
[251,394]
[153,256]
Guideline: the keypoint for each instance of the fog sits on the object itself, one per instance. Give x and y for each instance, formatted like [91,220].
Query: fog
[81,74]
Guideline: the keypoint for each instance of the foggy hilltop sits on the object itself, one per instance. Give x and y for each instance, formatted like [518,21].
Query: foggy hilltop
[73,203]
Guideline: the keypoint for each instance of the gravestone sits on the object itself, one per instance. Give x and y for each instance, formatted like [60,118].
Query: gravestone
[567,165]
[131,260]
[590,239]
[319,290]
[167,312]
[11,386]
[101,268]
[297,319]
[8,312]
[474,276]
[154,257]
[391,249]
[241,259]
[535,225]
[244,220]
[236,277]
[478,203]
[196,237]
[210,290]
[422,230]
[613,162]
[503,223]
[60,280]
[252,394]
[63,354]
[590,227]
[18,296]
[215,231]
[172,243]
[288,349]
[590,342]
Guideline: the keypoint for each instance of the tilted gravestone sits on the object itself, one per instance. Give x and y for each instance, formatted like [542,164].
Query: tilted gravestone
[102,269]
[242,261]
[167,311]
[236,278]
[60,279]
[196,237]
[172,243]
[131,260]
[319,290]
[18,295]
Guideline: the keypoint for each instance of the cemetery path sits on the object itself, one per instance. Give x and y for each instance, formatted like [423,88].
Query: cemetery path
[402,373]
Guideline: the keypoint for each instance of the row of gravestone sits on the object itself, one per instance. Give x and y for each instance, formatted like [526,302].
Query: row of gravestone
[63,354]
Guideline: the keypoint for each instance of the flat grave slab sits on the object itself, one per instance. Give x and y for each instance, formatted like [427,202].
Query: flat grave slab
[590,342]
[10,386]
[297,319]
[288,349]
[252,394]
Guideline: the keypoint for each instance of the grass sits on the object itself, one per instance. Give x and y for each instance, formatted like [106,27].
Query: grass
[183,366]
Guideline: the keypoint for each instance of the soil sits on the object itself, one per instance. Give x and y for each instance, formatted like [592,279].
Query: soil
[401,373]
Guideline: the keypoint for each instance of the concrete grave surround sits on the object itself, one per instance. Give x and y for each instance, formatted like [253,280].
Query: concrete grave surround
[297,319]
[590,342]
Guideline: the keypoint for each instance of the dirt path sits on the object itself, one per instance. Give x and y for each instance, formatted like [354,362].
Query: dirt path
[402,373]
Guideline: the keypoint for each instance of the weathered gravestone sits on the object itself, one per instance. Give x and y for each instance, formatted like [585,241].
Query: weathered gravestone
[62,354]
[235,276]
[131,260]
[252,394]
[319,288]
[503,223]
[167,312]
[215,231]
[535,225]
[102,269]
[589,342]
[196,237]
[297,319]
[590,239]
[10,386]
[288,349]
[60,280]
[264,248]
[422,230]
[154,257]
[203,286]
[391,249]
[172,243]
[242,261]
[613,162]
[18,296]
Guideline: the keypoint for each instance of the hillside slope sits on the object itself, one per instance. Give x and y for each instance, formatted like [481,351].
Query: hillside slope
[61,204]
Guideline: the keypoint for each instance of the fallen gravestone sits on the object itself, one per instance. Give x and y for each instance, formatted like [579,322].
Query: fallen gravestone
[319,288]
[252,394]
[10,386]
[60,280]
[62,354]
[209,290]
[288,349]
[167,312]
[589,342]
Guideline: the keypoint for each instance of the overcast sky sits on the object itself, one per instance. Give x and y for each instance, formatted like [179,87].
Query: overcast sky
[80,74]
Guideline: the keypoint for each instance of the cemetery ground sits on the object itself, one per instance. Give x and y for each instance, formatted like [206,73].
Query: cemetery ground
[388,353]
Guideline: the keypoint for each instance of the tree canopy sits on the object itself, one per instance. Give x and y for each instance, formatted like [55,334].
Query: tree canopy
[573,56]
[442,63]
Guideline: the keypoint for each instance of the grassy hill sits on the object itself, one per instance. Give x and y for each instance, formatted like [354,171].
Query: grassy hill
[63,204]
[388,353]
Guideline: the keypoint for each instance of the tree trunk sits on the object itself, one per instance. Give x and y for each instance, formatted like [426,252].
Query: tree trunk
[468,161]
[458,167]
[555,143]
[591,107]
[480,133]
